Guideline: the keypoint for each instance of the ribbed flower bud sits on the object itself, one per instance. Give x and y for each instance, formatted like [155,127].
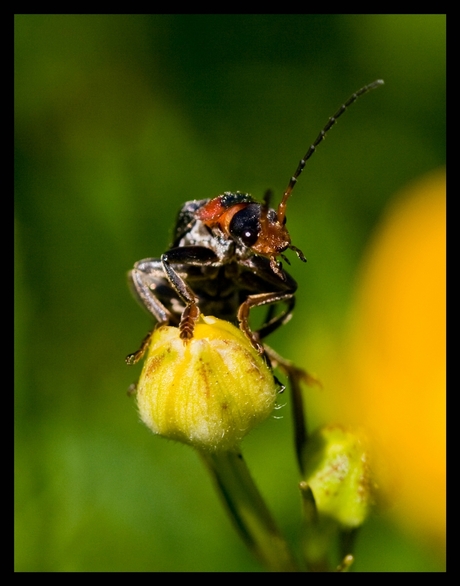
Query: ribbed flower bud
[209,391]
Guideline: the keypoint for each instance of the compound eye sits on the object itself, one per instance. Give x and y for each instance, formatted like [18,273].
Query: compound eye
[245,225]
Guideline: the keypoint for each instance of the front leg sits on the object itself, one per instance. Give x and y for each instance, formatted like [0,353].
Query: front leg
[259,276]
[149,276]
[191,311]
[144,279]
[186,256]
[257,301]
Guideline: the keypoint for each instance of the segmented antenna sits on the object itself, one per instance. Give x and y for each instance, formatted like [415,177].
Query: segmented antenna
[281,212]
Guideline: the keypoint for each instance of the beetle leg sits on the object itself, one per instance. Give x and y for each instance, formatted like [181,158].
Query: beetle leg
[147,279]
[143,285]
[199,256]
[257,301]
[273,323]
[136,356]
[293,372]
[142,281]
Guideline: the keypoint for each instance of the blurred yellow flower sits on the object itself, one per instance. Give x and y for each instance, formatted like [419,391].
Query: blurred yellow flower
[394,378]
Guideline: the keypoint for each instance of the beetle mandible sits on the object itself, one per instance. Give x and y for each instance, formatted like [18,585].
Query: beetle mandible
[223,261]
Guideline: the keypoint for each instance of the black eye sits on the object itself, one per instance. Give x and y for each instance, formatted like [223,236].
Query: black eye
[245,224]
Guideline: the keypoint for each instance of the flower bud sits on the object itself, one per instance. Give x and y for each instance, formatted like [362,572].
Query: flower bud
[337,471]
[209,391]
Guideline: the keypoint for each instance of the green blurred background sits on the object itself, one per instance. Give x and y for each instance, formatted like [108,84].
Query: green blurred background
[118,121]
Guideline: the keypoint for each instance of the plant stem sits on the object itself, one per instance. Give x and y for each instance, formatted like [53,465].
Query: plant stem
[248,510]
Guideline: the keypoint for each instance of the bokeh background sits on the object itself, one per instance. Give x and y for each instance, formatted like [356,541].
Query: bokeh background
[119,119]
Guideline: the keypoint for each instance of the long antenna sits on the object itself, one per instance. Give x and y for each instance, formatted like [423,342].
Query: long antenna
[281,212]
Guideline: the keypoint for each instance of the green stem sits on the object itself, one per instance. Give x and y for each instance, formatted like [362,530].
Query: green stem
[248,510]
[299,419]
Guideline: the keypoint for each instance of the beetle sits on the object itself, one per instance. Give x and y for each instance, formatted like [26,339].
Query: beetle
[223,261]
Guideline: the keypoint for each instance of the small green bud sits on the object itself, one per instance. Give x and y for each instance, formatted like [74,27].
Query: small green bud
[209,391]
[337,471]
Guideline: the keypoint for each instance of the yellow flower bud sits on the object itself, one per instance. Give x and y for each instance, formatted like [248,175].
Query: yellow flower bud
[209,391]
[337,471]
